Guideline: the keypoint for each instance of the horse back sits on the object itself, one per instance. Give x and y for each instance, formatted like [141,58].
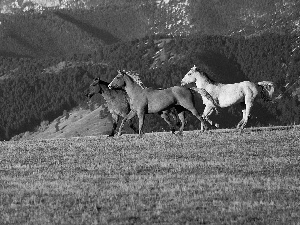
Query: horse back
[182,92]
[158,99]
[229,94]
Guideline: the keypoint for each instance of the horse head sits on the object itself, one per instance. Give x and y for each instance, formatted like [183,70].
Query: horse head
[96,87]
[197,76]
[189,77]
[118,81]
[92,88]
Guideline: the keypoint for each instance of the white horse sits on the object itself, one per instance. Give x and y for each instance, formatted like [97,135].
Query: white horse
[226,95]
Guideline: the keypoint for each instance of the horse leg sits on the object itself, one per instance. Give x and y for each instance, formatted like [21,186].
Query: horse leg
[133,127]
[141,116]
[206,113]
[165,115]
[129,116]
[246,113]
[115,119]
[174,115]
[180,110]
[181,118]
[243,106]
[197,115]
[239,126]
[216,125]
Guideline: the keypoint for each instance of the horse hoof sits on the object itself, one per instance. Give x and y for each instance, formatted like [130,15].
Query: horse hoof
[180,134]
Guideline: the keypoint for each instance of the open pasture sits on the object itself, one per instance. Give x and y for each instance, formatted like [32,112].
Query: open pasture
[215,177]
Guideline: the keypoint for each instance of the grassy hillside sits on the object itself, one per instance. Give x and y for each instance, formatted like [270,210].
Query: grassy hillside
[77,123]
[201,178]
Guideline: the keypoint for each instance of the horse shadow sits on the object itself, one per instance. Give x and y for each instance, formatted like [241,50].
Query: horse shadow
[220,68]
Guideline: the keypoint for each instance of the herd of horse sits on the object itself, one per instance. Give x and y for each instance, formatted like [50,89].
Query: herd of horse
[127,97]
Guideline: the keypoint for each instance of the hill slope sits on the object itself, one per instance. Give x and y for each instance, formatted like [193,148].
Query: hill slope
[76,123]
[209,178]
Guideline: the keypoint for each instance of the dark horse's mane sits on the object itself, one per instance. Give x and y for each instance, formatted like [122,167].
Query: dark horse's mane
[103,83]
[206,75]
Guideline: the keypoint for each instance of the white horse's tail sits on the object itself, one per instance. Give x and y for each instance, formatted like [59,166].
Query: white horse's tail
[267,90]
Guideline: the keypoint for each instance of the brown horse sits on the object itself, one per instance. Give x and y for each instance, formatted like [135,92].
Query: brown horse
[228,94]
[148,100]
[118,104]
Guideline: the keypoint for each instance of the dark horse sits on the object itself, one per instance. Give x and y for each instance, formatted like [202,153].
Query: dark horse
[148,100]
[118,104]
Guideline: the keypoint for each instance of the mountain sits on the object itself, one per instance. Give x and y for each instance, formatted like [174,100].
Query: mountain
[61,45]
[184,16]
[105,22]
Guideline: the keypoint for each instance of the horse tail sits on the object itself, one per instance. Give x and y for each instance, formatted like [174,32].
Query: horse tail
[267,90]
[206,95]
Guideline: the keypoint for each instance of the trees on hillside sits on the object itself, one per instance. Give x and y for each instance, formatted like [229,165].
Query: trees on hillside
[33,90]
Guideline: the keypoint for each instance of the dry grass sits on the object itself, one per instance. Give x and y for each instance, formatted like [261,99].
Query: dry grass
[200,178]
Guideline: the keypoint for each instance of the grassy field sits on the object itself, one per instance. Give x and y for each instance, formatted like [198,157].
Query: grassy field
[214,177]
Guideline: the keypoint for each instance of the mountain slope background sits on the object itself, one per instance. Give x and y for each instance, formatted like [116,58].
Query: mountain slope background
[49,54]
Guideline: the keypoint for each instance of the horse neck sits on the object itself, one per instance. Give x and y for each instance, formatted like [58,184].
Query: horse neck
[106,92]
[201,81]
[132,88]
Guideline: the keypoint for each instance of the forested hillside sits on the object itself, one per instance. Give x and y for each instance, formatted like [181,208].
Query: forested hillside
[48,56]
[34,90]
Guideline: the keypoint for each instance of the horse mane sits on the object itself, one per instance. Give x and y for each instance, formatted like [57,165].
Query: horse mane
[136,78]
[102,81]
[205,75]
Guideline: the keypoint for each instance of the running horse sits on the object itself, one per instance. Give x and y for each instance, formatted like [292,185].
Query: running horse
[226,95]
[149,100]
[118,104]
